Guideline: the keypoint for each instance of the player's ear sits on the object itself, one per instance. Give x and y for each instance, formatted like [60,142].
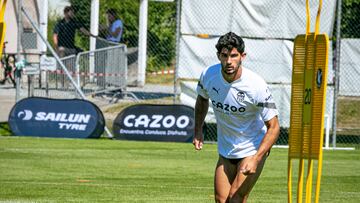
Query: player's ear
[243,55]
[218,55]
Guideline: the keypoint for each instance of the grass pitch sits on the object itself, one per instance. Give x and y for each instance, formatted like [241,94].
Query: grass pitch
[89,170]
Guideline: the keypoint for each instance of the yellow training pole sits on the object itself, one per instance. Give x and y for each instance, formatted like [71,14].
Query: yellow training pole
[308,94]
[2,26]
[289,180]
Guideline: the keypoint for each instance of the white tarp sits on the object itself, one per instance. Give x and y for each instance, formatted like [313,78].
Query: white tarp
[281,94]
[350,67]
[254,18]
[268,29]
[272,59]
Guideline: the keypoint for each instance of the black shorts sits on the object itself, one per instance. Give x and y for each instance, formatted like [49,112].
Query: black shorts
[235,161]
[232,161]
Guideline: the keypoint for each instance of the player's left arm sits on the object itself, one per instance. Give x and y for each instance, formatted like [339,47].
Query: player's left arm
[272,134]
[269,113]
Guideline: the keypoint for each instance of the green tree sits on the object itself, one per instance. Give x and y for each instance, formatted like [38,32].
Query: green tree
[161,27]
[161,34]
[53,18]
[128,12]
[350,22]
[82,14]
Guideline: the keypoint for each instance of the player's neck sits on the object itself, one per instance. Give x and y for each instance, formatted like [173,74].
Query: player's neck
[67,19]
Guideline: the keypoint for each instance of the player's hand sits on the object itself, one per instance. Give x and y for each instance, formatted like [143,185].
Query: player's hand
[198,142]
[248,165]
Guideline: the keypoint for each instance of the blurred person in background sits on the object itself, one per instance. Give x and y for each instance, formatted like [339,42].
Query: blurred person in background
[64,33]
[246,117]
[114,29]
[8,65]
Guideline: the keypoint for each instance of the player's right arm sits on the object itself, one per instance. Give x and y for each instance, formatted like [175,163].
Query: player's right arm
[201,109]
[55,36]
[55,40]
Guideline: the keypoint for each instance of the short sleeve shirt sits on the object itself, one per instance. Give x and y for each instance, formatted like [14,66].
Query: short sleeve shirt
[66,32]
[240,107]
[115,25]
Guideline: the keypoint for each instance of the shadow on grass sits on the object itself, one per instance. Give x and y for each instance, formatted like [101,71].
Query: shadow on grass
[5,129]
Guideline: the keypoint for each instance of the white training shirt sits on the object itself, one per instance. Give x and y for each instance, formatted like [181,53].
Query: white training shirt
[240,108]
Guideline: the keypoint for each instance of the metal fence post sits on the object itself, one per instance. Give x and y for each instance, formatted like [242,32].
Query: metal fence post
[19,32]
[337,70]
[178,30]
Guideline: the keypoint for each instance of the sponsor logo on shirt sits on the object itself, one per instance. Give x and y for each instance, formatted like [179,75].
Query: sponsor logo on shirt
[227,107]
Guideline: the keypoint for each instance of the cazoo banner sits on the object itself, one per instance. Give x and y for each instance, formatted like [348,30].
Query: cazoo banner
[155,123]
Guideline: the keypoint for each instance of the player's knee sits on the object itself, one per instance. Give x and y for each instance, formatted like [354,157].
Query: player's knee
[237,197]
[220,198]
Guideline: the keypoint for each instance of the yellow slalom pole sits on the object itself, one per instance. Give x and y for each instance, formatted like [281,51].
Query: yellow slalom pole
[2,12]
[2,26]
[300,180]
[307,17]
[317,21]
[308,97]
[309,181]
[289,180]
[317,190]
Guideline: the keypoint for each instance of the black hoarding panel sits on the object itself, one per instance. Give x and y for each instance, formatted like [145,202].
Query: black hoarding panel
[155,123]
[43,117]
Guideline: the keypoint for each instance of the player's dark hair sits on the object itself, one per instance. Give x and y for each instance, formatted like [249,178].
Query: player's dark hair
[112,12]
[68,8]
[229,41]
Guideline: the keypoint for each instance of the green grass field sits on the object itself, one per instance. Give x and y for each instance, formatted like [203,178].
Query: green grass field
[89,170]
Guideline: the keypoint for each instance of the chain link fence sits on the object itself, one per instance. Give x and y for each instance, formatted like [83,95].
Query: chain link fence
[183,34]
[348,101]
[269,44]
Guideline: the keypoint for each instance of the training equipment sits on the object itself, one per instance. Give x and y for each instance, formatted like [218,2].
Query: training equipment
[308,93]
[2,26]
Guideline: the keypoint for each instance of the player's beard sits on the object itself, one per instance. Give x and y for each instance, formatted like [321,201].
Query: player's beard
[231,70]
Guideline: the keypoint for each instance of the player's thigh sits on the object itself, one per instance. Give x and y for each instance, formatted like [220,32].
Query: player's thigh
[243,184]
[225,173]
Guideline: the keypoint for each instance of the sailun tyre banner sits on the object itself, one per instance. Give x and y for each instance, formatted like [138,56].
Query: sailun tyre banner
[63,118]
[174,123]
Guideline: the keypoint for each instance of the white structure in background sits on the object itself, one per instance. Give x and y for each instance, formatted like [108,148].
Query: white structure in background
[143,18]
[31,45]
[267,37]
[94,24]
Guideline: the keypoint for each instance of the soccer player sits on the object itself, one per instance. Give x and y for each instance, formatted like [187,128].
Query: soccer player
[246,116]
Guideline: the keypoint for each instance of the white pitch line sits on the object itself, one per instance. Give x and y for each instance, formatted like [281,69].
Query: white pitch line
[102,184]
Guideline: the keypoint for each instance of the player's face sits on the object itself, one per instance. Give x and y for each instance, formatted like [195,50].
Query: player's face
[70,14]
[110,17]
[230,61]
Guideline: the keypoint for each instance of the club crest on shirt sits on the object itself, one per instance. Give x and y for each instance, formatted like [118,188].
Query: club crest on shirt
[240,96]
